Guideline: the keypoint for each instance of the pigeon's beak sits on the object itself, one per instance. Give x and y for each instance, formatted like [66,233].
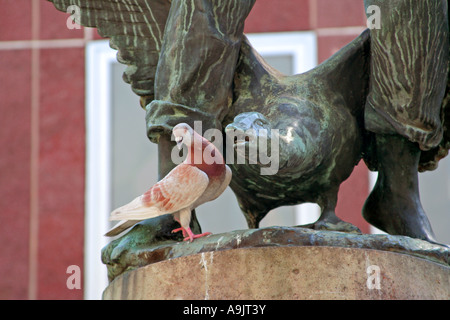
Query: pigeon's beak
[179,141]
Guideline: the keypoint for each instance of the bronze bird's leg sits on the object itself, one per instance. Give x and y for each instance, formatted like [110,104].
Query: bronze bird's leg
[254,217]
[328,219]
[394,204]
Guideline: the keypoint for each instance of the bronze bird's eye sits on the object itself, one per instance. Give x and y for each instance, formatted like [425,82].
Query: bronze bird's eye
[260,122]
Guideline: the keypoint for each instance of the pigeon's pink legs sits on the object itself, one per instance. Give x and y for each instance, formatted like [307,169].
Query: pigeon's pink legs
[189,235]
[185,234]
[193,236]
[180,229]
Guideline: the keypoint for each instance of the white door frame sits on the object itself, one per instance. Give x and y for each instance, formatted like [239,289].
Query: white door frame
[99,58]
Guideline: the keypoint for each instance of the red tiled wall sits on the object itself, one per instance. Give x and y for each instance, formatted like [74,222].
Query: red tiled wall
[339,13]
[42,134]
[278,15]
[52,24]
[43,151]
[15,156]
[61,168]
[15,22]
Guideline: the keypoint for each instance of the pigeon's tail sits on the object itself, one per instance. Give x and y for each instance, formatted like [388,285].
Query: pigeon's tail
[136,210]
[120,227]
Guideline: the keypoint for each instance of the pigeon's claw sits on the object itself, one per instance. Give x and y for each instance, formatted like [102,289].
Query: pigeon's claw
[192,236]
[185,234]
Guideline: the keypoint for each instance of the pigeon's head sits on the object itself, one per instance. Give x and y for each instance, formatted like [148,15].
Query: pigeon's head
[183,134]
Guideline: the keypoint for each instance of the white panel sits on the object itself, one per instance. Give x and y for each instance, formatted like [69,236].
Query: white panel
[301,45]
[99,57]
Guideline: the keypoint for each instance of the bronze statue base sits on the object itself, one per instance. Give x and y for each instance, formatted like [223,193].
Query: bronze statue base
[286,272]
[283,263]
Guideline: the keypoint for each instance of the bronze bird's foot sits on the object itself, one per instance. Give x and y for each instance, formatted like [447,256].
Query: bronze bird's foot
[333,224]
[340,226]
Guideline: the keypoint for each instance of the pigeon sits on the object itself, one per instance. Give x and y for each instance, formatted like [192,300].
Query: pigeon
[202,177]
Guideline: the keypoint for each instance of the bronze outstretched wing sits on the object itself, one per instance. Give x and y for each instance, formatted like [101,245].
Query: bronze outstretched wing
[135,28]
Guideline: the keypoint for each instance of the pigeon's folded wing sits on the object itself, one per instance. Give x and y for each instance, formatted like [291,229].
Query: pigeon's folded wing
[178,190]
